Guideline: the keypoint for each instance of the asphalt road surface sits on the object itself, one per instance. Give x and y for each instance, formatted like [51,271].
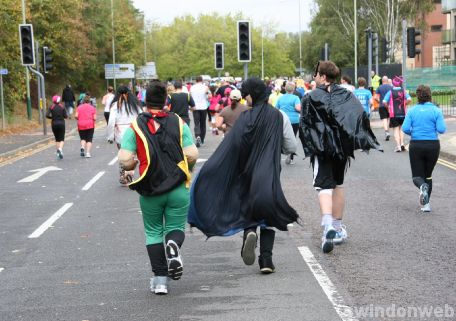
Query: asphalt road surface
[89,262]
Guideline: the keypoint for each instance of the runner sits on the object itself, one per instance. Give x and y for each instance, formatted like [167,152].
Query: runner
[334,125]
[199,93]
[423,123]
[396,100]
[163,143]
[86,115]
[228,116]
[106,101]
[58,114]
[180,102]
[290,104]
[124,109]
[68,99]
[364,95]
[243,178]
[381,92]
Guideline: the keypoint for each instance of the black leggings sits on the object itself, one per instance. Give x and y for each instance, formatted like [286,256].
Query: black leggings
[423,157]
[199,118]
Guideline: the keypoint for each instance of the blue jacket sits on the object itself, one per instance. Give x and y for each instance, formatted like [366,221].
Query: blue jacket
[424,122]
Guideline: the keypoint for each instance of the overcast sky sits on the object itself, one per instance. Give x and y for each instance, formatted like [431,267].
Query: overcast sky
[283,13]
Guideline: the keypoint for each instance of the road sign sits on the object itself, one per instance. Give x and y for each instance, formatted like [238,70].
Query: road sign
[146,72]
[119,71]
[3,71]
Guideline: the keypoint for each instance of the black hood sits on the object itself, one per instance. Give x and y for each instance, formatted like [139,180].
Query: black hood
[256,88]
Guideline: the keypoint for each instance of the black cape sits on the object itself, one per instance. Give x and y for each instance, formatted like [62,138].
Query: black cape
[335,124]
[239,186]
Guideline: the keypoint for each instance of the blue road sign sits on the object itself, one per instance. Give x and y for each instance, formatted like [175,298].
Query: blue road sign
[3,71]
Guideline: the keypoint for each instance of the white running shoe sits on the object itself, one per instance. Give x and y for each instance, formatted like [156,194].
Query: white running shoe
[159,285]
[87,155]
[175,265]
[327,244]
[341,235]
[426,208]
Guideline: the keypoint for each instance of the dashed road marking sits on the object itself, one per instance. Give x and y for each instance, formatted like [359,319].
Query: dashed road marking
[114,160]
[40,230]
[344,311]
[92,181]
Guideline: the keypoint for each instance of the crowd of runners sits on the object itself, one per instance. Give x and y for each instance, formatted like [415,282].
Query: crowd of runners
[259,120]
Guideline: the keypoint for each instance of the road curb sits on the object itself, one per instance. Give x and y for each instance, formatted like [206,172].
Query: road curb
[46,140]
[447,156]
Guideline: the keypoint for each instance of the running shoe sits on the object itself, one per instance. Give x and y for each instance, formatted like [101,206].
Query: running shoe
[341,235]
[266,265]
[159,285]
[397,149]
[87,155]
[387,136]
[248,248]
[327,244]
[424,194]
[82,152]
[198,141]
[59,154]
[175,266]
[426,208]
[402,148]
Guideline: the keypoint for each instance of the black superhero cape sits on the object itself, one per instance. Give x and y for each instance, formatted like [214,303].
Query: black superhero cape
[239,186]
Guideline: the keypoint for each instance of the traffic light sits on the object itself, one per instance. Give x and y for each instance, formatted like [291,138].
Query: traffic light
[413,40]
[375,45]
[47,58]
[385,52]
[219,58]
[27,44]
[244,41]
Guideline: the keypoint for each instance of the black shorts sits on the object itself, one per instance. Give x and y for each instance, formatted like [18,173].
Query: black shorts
[86,135]
[383,112]
[59,132]
[396,121]
[328,173]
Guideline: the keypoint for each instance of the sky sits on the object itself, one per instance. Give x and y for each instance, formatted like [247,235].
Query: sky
[283,14]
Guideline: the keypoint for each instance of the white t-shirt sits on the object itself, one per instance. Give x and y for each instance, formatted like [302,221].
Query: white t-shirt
[348,87]
[107,100]
[199,94]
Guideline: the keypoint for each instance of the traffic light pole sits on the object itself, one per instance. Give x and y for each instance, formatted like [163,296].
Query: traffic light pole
[42,98]
[404,50]
[246,70]
[27,74]
[369,57]
[376,56]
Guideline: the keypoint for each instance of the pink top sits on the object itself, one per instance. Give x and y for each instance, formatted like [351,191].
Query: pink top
[85,116]
[213,102]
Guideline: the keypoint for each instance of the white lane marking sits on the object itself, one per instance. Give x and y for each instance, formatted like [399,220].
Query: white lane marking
[114,160]
[201,160]
[344,311]
[39,172]
[1,269]
[92,181]
[40,230]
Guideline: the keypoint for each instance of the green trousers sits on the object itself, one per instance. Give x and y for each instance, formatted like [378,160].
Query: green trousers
[164,213]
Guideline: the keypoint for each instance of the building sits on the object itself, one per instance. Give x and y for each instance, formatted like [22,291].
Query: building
[449,33]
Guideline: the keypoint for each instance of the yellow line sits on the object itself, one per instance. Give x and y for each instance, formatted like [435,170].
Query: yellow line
[447,164]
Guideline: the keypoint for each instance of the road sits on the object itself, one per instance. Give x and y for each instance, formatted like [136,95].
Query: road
[90,262]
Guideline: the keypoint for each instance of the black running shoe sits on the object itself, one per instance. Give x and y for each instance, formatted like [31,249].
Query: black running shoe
[266,265]
[175,265]
[424,194]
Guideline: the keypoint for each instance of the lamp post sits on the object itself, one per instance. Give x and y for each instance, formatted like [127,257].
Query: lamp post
[300,36]
[113,45]
[355,7]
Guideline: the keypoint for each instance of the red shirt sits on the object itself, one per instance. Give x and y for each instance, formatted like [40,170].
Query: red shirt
[85,116]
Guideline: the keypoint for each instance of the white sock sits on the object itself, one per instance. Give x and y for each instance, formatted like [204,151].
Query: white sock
[337,224]
[326,220]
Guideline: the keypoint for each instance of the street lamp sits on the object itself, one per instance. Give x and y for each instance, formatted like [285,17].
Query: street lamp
[113,44]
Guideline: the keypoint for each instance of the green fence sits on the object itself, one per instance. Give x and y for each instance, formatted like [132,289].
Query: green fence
[437,78]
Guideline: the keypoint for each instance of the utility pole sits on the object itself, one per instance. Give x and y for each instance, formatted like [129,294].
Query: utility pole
[369,55]
[27,74]
[113,45]
[355,7]
[404,51]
